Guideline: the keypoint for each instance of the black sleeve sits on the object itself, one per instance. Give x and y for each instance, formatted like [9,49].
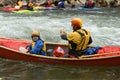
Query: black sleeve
[90,40]
[64,36]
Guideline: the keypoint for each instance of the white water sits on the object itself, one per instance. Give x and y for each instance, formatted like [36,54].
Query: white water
[104,27]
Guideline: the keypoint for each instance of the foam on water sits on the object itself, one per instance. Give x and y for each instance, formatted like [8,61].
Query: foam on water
[104,28]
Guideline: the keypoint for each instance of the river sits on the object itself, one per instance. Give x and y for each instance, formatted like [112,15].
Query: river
[104,26]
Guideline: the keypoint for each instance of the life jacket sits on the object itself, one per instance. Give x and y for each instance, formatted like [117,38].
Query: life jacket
[20,3]
[44,46]
[90,4]
[62,4]
[48,3]
[78,40]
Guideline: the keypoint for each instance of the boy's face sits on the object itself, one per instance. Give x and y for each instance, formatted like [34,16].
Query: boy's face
[35,38]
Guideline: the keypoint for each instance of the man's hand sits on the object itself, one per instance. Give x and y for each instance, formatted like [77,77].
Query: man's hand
[62,32]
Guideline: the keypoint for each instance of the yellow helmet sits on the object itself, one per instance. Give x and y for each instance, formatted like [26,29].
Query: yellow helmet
[76,22]
[35,33]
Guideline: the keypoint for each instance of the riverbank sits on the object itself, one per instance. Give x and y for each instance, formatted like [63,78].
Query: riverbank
[98,3]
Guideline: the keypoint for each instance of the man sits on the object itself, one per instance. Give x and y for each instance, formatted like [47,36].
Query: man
[47,3]
[78,40]
[89,4]
[30,6]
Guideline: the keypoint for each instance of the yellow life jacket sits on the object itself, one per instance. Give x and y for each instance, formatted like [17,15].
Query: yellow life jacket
[20,3]
[33,44]
[78,40]
[44,47]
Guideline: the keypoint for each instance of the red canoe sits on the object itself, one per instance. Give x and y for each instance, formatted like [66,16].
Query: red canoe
[9,50]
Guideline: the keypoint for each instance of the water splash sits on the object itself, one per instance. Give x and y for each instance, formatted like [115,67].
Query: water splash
[104,28]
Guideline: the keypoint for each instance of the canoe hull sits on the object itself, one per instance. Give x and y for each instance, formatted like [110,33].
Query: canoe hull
[16,55]
[9,53]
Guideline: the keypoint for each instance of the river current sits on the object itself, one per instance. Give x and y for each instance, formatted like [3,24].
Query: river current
[104,26]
